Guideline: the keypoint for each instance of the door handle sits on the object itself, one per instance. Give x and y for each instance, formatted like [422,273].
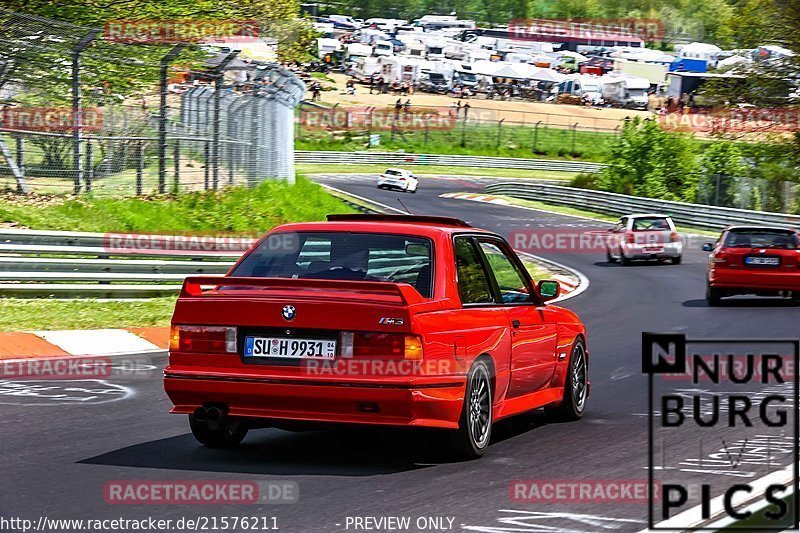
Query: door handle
[515,323]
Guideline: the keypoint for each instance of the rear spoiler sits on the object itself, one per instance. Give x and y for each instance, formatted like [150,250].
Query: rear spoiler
[193,286]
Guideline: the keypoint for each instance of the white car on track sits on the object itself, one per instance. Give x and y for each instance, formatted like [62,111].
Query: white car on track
[644,236]
[398,178]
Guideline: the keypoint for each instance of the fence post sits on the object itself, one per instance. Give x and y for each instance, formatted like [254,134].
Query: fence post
[206,158]
[89,167]
[500,133]
[574,135]
[162,118]
[77,107]
[218,78]
[176,160]
[139,167]
[230,163]
[535,146]
[21,155]
[464,132]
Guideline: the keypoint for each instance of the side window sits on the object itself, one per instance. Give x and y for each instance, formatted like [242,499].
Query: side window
[473,282]
[513,288]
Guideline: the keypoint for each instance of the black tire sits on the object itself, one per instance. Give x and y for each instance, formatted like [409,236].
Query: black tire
[227,433]
[624,260]
[796,298]
[676,260]
[474,432]
[414,191]
[713,296]
[573,403]
[609,258]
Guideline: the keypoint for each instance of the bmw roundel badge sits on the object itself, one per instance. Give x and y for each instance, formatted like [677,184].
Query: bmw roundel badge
[289,312]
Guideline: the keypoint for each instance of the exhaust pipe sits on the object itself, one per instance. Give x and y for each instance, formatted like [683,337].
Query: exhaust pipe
[201,414]
[214,414]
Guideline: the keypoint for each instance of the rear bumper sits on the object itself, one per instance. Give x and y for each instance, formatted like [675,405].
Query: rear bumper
[667,251]
[760,280]
[432,402]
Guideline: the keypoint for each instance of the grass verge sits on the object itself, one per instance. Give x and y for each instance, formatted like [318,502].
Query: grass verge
[48,314]
[235,210]
[422,170]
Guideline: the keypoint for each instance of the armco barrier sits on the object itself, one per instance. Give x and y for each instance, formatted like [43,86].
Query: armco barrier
[75,264]
[692,215]
[400,159]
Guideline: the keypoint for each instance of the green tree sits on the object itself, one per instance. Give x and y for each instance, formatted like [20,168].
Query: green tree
[645,160]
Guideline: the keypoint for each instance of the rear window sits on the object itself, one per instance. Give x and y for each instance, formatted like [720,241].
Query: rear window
[651,224]
[393,173]
[343,256]
[761,239]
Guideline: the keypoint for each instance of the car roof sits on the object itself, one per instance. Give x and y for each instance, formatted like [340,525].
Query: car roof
[763,227]
[644,215]
[420,229]
[398,169]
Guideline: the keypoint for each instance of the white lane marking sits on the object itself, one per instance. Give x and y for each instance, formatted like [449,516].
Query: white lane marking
[97,341]
[583,281]
[50,392]
[536,521]
[363,199]
[692,518]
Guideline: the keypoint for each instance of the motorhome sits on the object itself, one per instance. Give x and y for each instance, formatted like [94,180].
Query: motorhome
[343,22]
[365,67]
[442,22]
[402,68]
[384,48]
[625,91]
[655,73]
[387,25]
[356,50]
[707,52]
[582,86]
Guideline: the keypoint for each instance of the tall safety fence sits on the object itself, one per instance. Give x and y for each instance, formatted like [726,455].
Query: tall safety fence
[82,112]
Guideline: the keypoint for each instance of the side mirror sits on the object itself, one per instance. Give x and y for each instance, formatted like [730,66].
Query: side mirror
[548,289]
[708,247]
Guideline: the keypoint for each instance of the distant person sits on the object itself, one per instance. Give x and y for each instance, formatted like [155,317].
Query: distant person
[407,106]
[466,109]
[316,88]
[371,84]
[398,106]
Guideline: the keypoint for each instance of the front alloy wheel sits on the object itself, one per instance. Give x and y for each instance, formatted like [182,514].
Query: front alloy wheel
[576,387]
[475,426]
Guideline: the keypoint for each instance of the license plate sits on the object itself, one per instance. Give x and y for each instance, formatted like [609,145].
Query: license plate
[768,261]
[654,249]
[289,348]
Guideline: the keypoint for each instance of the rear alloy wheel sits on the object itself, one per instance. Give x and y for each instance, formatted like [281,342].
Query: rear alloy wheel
[471,439]
[713,296]
[225,433]
[576,388]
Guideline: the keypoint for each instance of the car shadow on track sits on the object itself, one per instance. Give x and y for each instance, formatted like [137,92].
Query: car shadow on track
[338,452]
[744,302]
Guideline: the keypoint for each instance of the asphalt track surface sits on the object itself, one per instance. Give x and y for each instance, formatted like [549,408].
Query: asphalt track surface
[63,441]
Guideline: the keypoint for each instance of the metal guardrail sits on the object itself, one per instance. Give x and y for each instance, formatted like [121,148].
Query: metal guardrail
[67,264]
[685,214]
[396,158]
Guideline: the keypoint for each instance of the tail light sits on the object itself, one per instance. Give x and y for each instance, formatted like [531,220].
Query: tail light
[391,345]
[202,339]
[630,238]
[402,179]
[674,237]
[719,257]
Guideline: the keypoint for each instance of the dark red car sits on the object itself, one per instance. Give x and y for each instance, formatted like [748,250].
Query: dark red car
[372,319]
[759,260]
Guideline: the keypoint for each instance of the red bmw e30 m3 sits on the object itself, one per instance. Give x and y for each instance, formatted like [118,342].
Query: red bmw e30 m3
[388,320]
